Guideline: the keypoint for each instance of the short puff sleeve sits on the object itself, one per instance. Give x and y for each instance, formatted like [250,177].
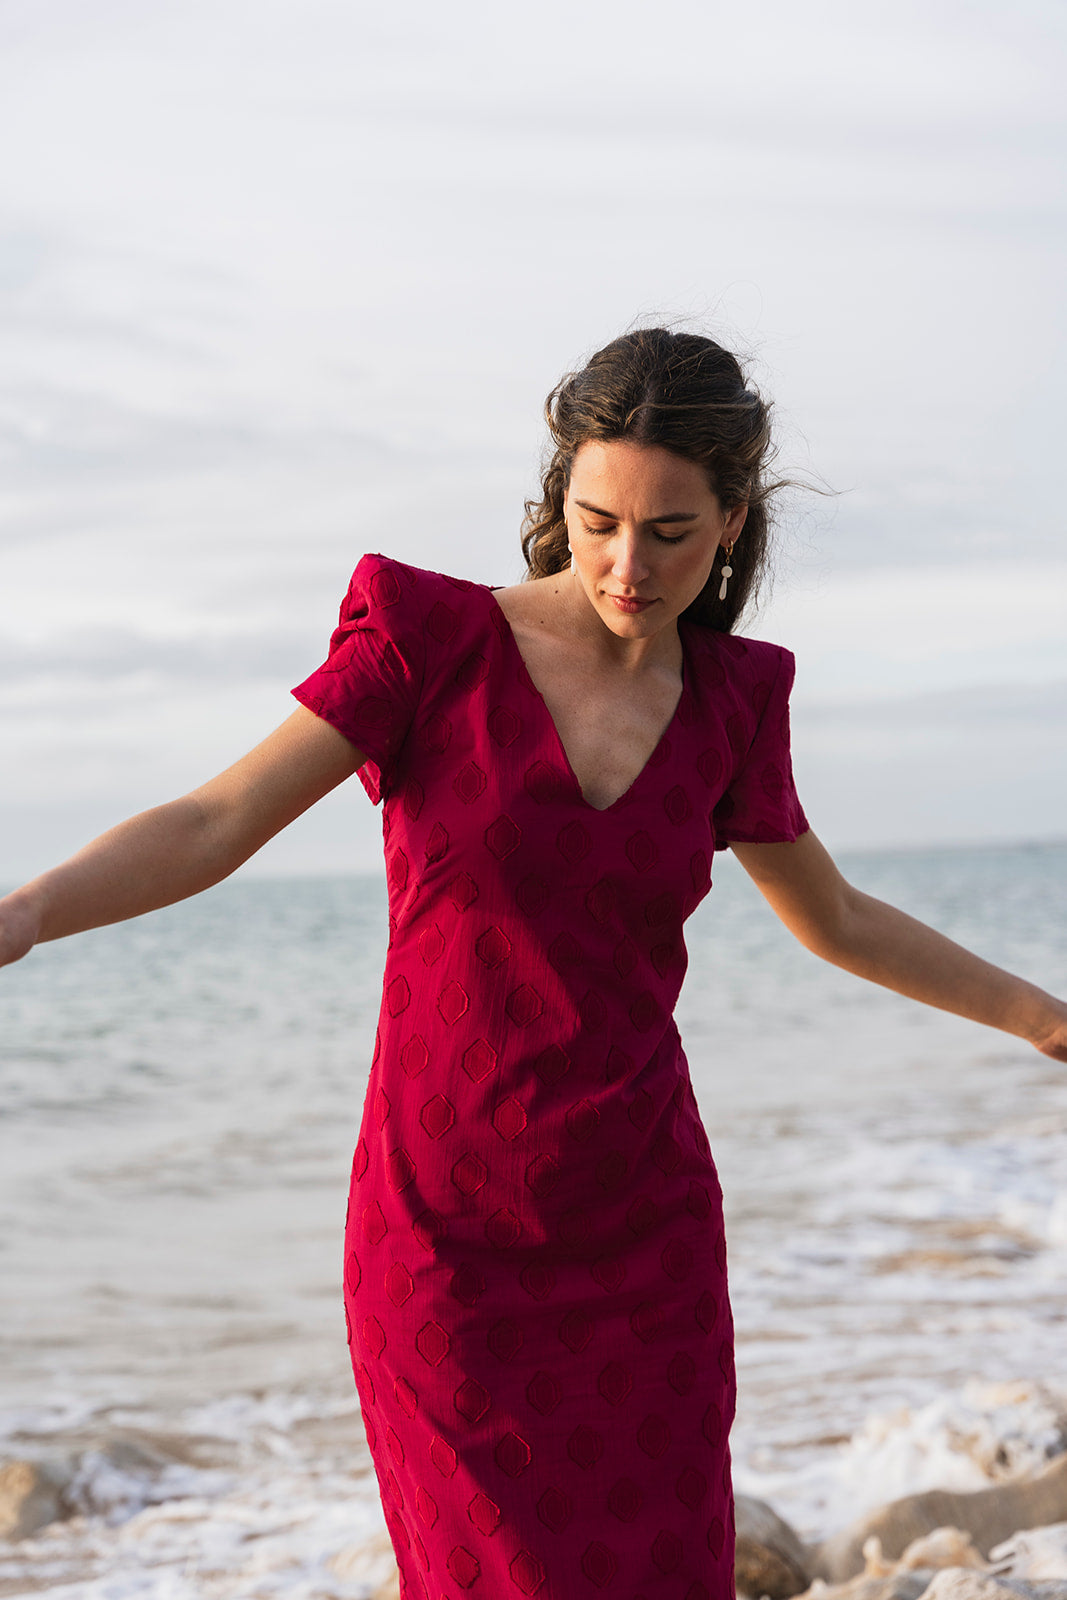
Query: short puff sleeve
[369,685]
[760,805]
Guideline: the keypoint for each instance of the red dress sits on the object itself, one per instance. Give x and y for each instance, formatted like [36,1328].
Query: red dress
[535,1264]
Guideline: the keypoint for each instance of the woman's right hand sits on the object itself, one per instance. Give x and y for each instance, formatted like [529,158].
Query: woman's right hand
[19,926]
[1054,1042]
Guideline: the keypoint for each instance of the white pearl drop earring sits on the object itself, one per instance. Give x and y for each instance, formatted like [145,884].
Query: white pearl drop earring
[727,570]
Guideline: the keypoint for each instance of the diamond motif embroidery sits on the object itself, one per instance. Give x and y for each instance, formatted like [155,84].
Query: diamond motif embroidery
[534,1254]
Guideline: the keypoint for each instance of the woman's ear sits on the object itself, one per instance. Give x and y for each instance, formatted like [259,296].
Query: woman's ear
[735,521]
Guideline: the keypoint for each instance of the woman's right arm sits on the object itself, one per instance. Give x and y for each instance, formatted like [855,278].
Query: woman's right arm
[175,850]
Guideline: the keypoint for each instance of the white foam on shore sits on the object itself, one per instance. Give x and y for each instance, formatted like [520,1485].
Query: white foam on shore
[271,1525]
[961,1441]
[294,1519]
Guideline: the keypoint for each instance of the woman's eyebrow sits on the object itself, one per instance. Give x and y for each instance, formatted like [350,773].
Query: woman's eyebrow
[670,516]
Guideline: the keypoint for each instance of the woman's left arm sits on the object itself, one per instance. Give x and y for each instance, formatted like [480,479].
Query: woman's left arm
[843,925]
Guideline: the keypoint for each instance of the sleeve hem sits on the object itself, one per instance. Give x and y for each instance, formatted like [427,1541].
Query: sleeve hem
[369,771]
[777,836]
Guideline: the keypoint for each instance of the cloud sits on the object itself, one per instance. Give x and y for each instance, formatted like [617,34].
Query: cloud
[877,634]
[280,284]
[85,668]
[945,768]
[60,438]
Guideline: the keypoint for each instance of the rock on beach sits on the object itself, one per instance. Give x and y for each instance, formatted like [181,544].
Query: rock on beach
[1007,1542]
[771,1559]
[32,1495]
[955,1584]
[990,1516]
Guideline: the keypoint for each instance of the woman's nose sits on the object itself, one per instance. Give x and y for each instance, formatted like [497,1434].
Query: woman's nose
[628,566]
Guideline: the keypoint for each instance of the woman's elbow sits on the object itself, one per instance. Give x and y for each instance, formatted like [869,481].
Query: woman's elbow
[832,927]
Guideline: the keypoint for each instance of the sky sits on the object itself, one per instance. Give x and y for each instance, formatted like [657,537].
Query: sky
[287,281]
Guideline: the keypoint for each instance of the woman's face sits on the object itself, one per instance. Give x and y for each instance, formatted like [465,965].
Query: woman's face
[644,527]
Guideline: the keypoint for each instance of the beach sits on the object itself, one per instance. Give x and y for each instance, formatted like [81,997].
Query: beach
[181,1100]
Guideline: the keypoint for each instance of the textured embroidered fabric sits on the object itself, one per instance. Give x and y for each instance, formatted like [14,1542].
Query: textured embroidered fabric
[535,1267]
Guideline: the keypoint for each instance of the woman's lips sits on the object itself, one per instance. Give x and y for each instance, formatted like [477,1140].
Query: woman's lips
[629,605]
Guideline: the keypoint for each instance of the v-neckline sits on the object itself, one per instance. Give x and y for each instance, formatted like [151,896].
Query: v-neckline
[561,747]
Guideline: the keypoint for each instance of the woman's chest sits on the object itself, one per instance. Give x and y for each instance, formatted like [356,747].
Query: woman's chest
[606,730]
[487,811]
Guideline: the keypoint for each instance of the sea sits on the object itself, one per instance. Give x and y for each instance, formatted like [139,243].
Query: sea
[180,1101]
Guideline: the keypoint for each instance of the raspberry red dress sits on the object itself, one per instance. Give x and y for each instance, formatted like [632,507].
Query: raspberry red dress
[535,1264]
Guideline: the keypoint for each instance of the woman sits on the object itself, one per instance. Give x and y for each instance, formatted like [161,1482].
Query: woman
[535,1265]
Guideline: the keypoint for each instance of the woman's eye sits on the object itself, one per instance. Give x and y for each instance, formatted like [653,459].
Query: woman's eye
[663,538]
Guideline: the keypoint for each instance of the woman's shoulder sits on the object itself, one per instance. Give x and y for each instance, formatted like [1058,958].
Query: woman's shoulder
[738,658]
[400,598]
[388,581]
[741,689]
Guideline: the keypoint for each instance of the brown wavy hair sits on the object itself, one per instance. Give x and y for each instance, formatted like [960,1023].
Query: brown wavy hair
[689,395]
